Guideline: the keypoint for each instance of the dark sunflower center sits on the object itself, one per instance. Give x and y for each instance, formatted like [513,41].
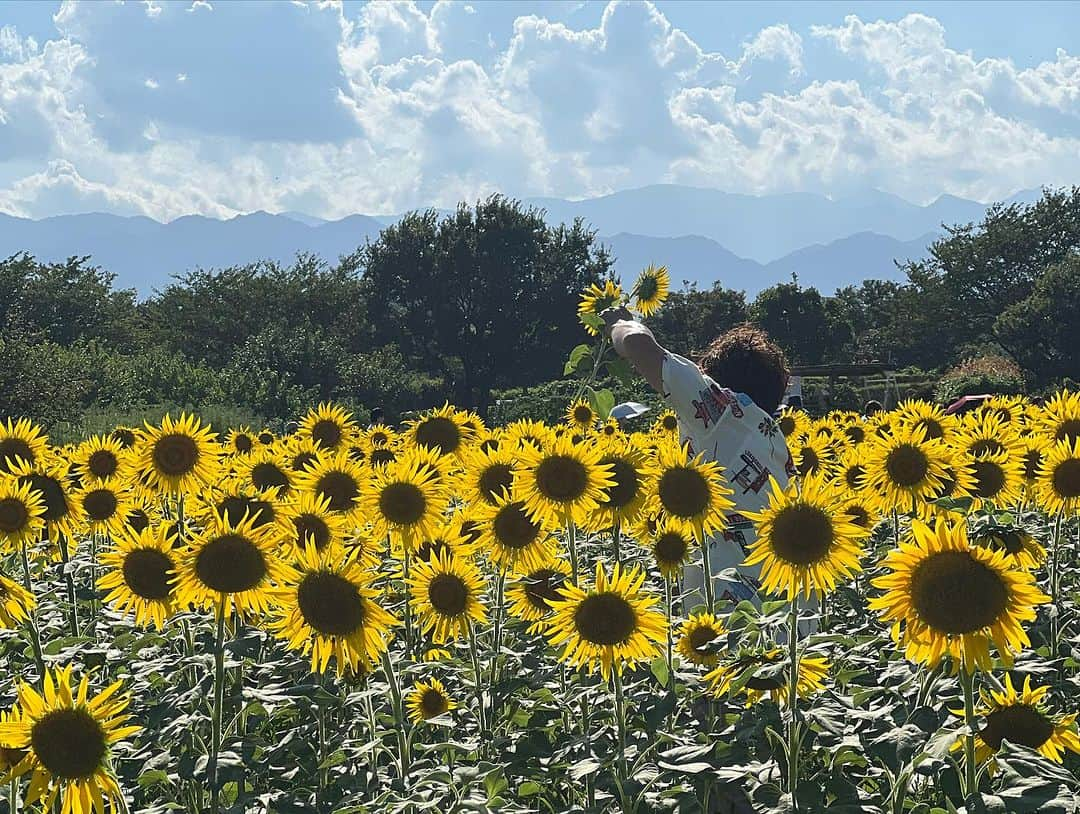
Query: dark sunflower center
[809,461]
[1067,478]
[513,528]
[1068,430]
[931,428]
[175,455]
[11,757]
[766,683]
[1018,723]
[380,457]
[13,515]
[147,573]
[605,619]
[684,492]
[438,432]
[801,534]
[432,549]
[855,433]
[701,636]
[989,479]
[125,436]
[583,414]
[671,423]
[243,443]
[379,439]
[561,478]
[138,520]
[236,507]
[51,491]
[986,445]
[859,515]
[489,445]
[648,288]
[853,476]
[69,743]
[230,564]
[625,488]
[955,593]
[1033,459]
[330,604]
[100,504]
[471,531]
[340,488]
[433,703]
[907,465]
[11,451]
[303,460]
[1012,541]
[268,475]
[102,464]
[494,480]
[402,503]
[326,433]
[311,527]
[948,483]
[670,548]
[787,425]
[542,588]
[266,438]
[448,594]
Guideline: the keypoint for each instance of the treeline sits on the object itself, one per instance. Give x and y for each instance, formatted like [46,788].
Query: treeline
[460,307]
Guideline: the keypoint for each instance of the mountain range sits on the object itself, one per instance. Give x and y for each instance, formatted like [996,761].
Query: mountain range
[703,236]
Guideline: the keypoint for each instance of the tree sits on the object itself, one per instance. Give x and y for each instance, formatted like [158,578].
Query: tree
[1040,330]
[803,323]
[691,318]
[483,298]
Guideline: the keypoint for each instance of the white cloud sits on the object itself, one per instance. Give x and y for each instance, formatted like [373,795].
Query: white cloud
[298,106]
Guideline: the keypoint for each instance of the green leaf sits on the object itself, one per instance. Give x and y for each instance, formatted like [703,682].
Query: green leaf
[576,357]
[528,789]
[592,320]
[620,370]
[602,401]
[660,670]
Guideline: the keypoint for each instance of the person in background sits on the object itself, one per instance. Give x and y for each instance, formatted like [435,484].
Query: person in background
[872,407]
[724,404]
[376,416]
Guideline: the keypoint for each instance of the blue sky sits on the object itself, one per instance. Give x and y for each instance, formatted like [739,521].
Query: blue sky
[170,108]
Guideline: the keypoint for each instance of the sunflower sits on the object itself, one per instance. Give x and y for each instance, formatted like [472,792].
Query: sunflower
[860,511]
[983,433]
[1058,487]
[767,673]
[1021,548]
[608,627]
[596,299]
[580,415]
[240,441]
[301,454]
[850,472]
[671,545]
[15,604]
[179,456]
[104,507]
[688,490]
[67,737]
[427,700]
[21,442]
[63,514]
[379,435]
[326,607]
[488,475]
[266,437]
[329,426]
[1060,419]
[666,425]
[404,499]
[337,479]
[997,478]
[448,592]
[22,513]
[442,430]
[931,419]
[125,436]
[813,455]
[624,500]
[513,537]
[267,471]
[526,434]
[805,540]
[651,289]
[793,423]
[140,569]
[1022,718]
[306,519]
[947,597]
[698,638]
[229,565]
[100,459]
[956,483]
[530,595]
[448,537]
[1033,452]
[562,484]
[905,469]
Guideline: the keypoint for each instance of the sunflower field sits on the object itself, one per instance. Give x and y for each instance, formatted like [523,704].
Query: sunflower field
[450,617]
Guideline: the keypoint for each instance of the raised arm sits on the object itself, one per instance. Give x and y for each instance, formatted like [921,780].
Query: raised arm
[636,343]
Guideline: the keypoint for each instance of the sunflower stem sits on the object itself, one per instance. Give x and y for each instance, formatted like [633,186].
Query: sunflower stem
[616,539]
[620,718]
[35,634]
[967,681]
[406,561]
[219,702]
[793,703]
[69,582]
[500,592]
[13,795]
[571,534]
[706,564]
[1054,609]
[478,679]
[399,717]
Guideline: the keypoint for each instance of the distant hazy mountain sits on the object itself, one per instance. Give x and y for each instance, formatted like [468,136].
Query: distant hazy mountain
[702,235]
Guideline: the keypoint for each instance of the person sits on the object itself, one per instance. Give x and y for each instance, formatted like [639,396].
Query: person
[872,407]
[725,405]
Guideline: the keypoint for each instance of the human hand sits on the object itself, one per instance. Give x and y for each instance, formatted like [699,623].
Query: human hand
[613,315]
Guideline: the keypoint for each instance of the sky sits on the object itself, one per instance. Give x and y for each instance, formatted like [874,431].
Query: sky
[217,108]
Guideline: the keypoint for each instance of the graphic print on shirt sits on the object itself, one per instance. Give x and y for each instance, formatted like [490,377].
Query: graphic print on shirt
[753,475]
[713,403]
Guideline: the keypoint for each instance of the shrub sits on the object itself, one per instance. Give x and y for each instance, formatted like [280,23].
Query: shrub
[984,374]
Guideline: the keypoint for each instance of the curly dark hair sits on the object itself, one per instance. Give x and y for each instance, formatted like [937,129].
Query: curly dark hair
[746,360]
